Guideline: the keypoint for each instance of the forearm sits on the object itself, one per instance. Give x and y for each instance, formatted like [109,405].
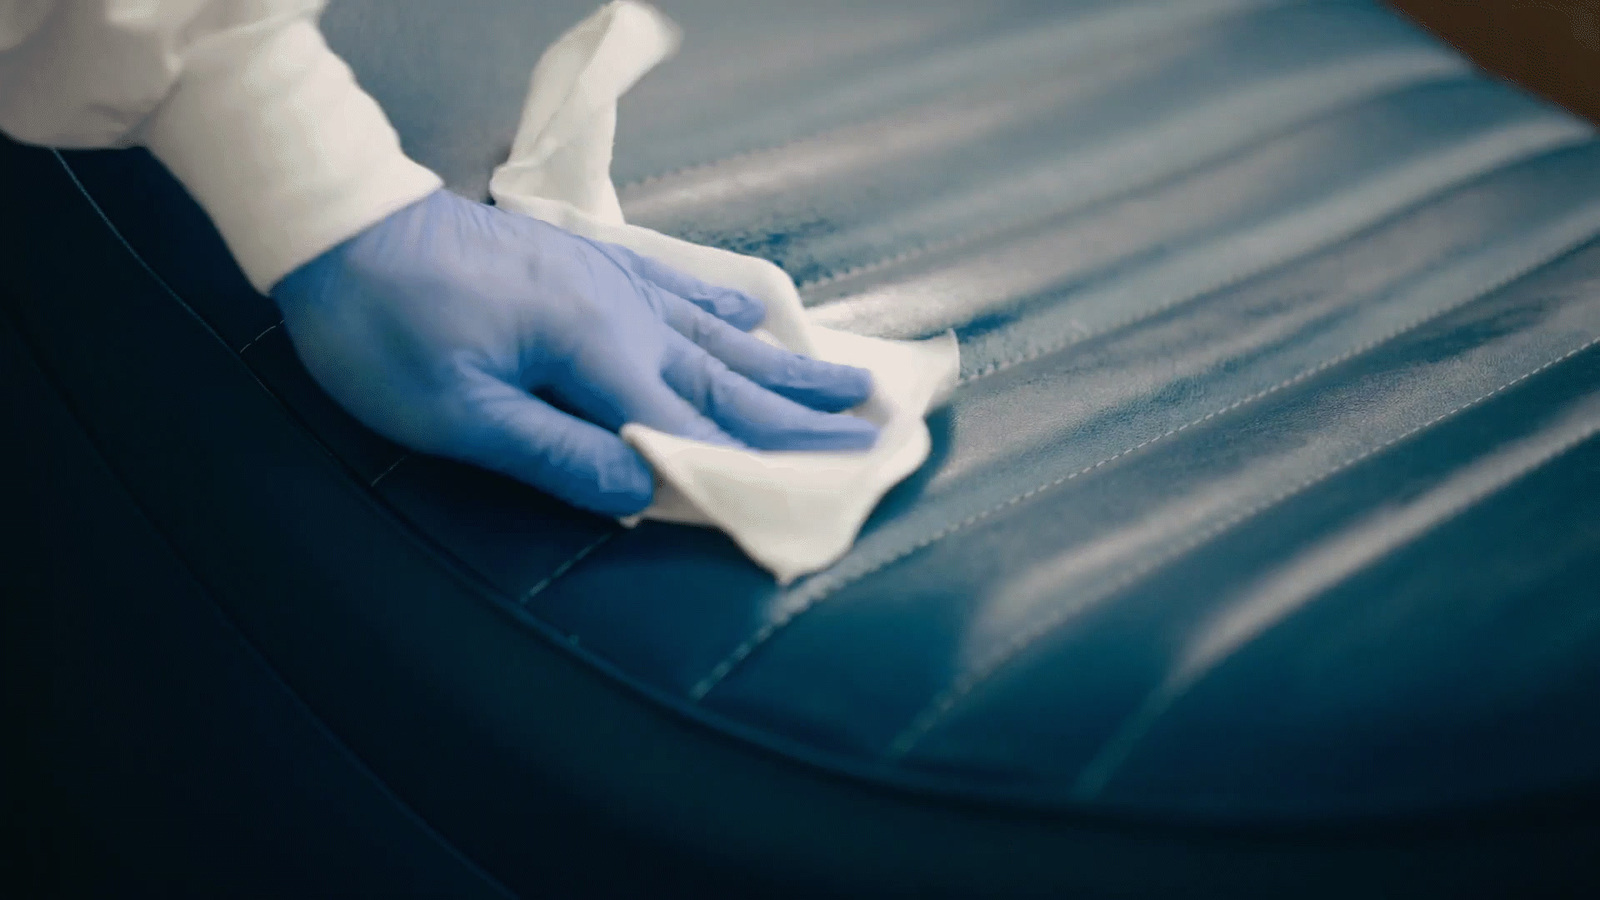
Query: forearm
[242,100]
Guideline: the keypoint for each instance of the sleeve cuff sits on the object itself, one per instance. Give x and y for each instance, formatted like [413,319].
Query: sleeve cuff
[270,133]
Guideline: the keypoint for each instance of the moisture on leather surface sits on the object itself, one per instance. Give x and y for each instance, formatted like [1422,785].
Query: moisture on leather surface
[1269,488]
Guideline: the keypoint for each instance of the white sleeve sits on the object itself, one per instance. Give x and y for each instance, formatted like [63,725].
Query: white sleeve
[241,99]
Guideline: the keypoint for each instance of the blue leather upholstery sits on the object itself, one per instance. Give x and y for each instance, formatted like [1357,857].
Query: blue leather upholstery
[1258,548]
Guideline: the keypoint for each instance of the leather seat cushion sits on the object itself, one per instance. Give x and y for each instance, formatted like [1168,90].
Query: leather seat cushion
[1261,493]
[1266,500]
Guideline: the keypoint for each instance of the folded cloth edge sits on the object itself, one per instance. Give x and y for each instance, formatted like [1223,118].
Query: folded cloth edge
[793,513]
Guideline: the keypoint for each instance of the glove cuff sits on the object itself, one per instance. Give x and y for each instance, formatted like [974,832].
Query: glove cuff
[270,133]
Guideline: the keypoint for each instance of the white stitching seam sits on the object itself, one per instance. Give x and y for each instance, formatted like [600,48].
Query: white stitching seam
[956,241]
[1000,365]
[824,133]
[562,569]
[1121,745]
[732,660]
[1184,171]
[941,706]
[264,332]
[392,466]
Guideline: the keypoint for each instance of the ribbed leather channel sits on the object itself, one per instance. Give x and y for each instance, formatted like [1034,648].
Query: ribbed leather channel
[1272,486]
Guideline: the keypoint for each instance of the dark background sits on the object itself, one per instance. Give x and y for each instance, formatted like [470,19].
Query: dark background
[1551,47]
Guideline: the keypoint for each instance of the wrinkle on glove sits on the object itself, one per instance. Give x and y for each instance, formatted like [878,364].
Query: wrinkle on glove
[792,512]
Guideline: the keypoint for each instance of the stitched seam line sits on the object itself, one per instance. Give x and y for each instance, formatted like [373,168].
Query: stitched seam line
[1117,749]
[381,475]
[765,633]
[1184,171]
[960,240]
[742,155]
[1245,274]
[940,707]
[827,132]
[264,332]
[982,234]
[392,466]
[341,746]
[562,569]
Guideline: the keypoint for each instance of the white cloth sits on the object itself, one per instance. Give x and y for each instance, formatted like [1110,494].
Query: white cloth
[792,512]
[241,99]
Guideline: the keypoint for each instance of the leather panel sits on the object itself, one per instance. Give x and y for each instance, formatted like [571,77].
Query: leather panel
[1207,262]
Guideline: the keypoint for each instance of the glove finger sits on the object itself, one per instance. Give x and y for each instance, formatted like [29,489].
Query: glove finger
[758,417]
[736,308]
[508,430]
[616,397]
[817,384]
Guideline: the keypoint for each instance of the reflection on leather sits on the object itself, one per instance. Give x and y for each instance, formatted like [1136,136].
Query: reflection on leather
[1234,280]
[1269,490]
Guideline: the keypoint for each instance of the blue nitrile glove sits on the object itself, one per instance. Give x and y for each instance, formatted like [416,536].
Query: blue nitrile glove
[443,326]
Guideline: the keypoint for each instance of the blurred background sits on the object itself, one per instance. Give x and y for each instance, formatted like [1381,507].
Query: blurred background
[1551,47]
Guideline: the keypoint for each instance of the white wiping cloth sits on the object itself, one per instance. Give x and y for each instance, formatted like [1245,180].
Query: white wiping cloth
[792,512]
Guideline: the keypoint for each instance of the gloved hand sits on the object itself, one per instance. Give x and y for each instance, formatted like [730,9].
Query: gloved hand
[470,332]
